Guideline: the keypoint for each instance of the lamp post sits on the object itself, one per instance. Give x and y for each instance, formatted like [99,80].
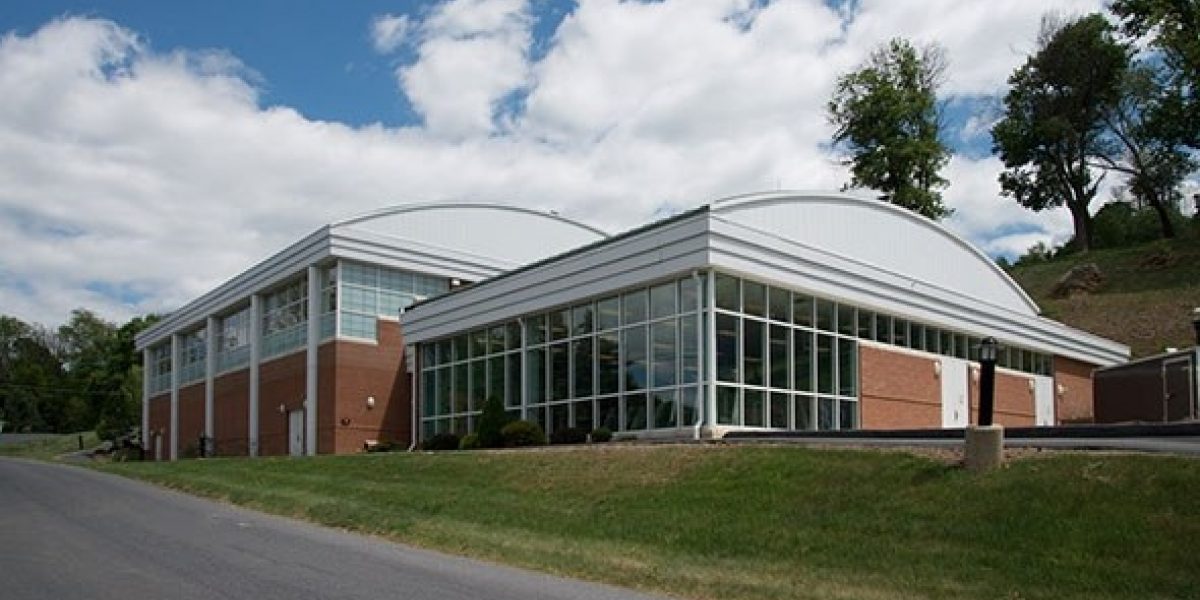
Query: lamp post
[987,379]
[984,442]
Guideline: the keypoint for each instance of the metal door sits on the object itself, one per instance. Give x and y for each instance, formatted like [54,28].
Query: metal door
[955,411]
[1043,401]
[296,433]
[1178,403]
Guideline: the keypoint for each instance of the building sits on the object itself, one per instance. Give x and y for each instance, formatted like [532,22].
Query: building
[776,310]
[239,364]
[1156,389]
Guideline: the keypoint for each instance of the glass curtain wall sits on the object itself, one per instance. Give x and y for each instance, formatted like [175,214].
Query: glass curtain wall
[160,368]
[628,362]
[285,318]
[369,292]
[233,340]
[192,352]
[633,362]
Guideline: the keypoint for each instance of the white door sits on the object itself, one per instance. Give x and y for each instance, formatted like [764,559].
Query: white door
[1043,401]
[955,412]
[296,432]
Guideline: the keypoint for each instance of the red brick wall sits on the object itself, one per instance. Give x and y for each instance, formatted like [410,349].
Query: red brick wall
[898,390]
[326,391]
[160,424]
[377,370]
[231,413]
[281,382]
[1013,404]
[191,419]
[1075,403]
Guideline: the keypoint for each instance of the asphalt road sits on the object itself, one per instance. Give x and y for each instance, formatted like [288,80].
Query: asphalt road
[68,532]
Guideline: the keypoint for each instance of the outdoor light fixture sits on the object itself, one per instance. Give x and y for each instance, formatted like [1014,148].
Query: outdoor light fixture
[984,443]
[370,401]
[988,349]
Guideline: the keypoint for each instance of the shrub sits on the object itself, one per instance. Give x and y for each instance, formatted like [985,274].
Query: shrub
[441,441]
[469,442]
[569,435]
[601,434]
[522,433]
[491,422]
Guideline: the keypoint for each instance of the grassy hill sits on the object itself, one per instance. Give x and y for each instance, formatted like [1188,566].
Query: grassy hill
[1146,300]
[757,522]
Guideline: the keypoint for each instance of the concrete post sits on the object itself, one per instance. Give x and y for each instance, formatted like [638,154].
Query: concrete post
[984,447]
[173,451]
[311,361]
[255,358]
[146,374]
[210,372]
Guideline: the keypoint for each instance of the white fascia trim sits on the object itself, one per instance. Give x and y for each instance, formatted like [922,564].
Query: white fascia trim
[657,253]
[284,264]
[422,206]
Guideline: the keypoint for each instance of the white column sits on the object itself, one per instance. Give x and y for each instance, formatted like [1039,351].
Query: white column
[255,355]
[174,451]
[146,367]
[310,361]
[710,349]
[210,372]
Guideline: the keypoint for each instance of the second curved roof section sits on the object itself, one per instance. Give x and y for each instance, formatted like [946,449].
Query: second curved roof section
[879,235]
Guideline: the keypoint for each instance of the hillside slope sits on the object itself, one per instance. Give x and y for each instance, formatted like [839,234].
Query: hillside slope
[1146,300]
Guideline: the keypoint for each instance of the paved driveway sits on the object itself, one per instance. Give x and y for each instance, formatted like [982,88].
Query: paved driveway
[68,532]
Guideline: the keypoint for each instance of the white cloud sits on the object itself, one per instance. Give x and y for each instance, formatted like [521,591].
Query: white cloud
[472,53]
[132,181]
[388,32]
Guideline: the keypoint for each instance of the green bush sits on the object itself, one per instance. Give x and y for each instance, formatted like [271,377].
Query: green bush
[469,442]
[601,434]
[569,435]
[441,441]
[491,422]
[522,433]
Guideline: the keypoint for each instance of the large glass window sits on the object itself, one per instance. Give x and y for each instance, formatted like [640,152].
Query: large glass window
[665,353]
[369,292]
[233,340]
[633,342]
[727,347]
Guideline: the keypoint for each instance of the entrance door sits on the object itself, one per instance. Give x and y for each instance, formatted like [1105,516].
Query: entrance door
[1177,388]
[158,446]
[296,432]
[954,393]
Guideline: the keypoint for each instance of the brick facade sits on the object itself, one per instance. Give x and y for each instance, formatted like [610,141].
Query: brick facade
[160,425]
[1013,404]
[348,373]
[898,390]
[1073,391]
[191,419]
[372,370]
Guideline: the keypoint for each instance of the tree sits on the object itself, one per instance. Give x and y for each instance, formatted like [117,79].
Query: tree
[886,117]
[1172,27]
[1053,127]
[491,422]
[1151,158]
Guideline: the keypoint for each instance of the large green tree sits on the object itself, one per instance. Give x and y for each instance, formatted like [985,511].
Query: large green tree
[1172,28]
[887,119]
[1054,125]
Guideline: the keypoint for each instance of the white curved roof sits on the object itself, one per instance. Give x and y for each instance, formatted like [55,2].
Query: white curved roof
[504,233]
[881,236]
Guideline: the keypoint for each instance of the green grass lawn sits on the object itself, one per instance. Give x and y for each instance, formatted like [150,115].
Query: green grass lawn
[49,448]
[757,522]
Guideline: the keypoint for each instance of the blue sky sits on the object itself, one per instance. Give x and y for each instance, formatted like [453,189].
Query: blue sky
[149,150]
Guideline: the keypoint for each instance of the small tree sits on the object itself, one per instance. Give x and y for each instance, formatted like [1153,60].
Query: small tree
[491,422]
[886,116]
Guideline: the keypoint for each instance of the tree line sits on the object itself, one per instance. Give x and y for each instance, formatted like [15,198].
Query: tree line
[82,375]
[1100,96]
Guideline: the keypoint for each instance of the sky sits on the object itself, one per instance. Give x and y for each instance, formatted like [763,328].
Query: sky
[151,150]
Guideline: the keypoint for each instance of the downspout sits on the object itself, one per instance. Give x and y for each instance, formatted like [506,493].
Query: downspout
[699,354]
[413,401]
